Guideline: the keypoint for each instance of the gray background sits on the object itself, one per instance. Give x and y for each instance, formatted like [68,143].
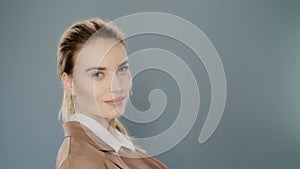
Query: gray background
[258,42]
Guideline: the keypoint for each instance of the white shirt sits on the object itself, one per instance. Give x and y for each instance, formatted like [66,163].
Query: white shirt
[101,132]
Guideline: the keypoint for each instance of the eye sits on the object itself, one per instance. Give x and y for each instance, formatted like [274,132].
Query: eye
[123,69]
[97,75]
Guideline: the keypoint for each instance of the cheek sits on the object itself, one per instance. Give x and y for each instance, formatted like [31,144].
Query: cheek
[85,96]
[126,81]
[99,92]
[83,89]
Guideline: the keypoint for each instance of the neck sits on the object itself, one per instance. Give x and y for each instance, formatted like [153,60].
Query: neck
[109,124]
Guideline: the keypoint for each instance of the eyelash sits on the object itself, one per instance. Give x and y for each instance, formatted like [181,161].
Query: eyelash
[123,67]
[95,75]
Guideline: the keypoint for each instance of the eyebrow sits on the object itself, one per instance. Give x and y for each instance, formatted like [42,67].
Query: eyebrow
[104,68]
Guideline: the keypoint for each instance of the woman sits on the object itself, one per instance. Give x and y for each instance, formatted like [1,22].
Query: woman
[93,68]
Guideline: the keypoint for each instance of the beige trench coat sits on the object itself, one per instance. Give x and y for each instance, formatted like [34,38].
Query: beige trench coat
[82,149]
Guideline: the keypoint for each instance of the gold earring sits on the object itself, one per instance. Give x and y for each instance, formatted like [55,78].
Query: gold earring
[74,104]
[131,92]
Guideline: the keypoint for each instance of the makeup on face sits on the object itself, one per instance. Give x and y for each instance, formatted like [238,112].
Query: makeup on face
[103,79]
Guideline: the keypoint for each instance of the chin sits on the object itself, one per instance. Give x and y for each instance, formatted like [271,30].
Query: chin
[113,113]
[118,114]
[115,116]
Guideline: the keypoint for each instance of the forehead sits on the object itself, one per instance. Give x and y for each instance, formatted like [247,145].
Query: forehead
[107,53]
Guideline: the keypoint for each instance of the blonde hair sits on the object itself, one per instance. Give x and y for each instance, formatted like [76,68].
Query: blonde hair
[70,44]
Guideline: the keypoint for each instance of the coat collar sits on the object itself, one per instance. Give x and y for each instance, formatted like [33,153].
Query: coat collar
[99,134]
[77,130]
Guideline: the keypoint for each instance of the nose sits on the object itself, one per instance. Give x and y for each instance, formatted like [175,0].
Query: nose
[116,85]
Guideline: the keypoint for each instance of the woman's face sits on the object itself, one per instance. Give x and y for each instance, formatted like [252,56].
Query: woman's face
[101,75]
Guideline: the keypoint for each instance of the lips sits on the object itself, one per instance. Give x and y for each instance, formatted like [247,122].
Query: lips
[115,101]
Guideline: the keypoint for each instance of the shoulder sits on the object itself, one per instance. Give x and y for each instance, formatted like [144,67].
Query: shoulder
[63,151]
[77,154]
[80,162]
[85,162]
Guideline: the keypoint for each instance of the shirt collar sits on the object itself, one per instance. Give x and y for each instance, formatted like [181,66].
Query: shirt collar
[101,132]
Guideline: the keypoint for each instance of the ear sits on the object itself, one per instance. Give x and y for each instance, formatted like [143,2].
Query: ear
[67,83]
